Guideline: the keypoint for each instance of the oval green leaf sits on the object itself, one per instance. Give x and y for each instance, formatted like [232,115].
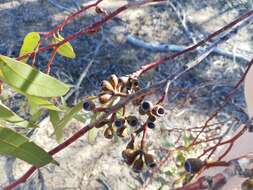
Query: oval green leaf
[30,43]
[29,80]
[14,144]
[65,49]
[9,116]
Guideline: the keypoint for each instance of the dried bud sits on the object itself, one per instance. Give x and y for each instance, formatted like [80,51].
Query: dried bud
[104,98]
[151,118]
[134,82]
[108,132]
[151,125]
[130,155]
[193,165]
[149,160]
[247,184]
[158,110]
[122,132]
[102,123]
[119,122]
[124,80]
[145,107]
[88,105]
[130,145]
[106,86]
[114,81]
[99,10]
[138,165]
[132,121]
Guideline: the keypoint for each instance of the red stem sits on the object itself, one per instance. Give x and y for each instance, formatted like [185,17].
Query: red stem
[144,135]
[55,150]
[92,27]
[208,38]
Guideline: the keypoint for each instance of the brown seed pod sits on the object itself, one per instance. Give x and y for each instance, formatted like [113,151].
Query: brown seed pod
[105,98]
[102,123]
[134,83]
[89,105]
[124,80]
[151,118]
[145,107]
[130,155]
[193,165]
[114,81]
[122,132]
[107,86]
[138,165]
[132,121]
[158,110]
[130,145]
[99,10]
[247,184]
[149,160]
[109,132]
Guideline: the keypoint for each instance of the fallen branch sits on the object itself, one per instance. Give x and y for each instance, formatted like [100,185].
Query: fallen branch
[156,47]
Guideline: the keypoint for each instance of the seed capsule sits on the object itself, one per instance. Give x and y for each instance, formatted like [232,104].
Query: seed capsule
[130,145]
[158,110]
[124,80]
[151,118]
[149,160]
[106,86]
[145,107]
[130,155]
[247,184]
[193,165]
[119,122]
[104,98]
[151,125]
[88,105]
[114,81]
[138,165]
[122,132]
[132,121]
[108,132]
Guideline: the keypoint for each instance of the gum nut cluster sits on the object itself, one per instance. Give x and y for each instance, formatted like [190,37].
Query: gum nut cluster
[137,158]
[118,124]
[110,89]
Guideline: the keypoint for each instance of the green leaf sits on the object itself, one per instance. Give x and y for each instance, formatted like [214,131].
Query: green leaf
[14,144]
[30,43]
[42,102]
[29,80]
[9,116]
[54,118]
[66,119]
[65,49]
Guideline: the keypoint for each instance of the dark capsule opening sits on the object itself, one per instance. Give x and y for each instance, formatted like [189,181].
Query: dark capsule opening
[187,166]
[161,111]
[119,122]
[146,105]
[151,125]
[152,165]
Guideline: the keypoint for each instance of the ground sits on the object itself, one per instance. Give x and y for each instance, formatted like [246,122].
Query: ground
[100,166]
